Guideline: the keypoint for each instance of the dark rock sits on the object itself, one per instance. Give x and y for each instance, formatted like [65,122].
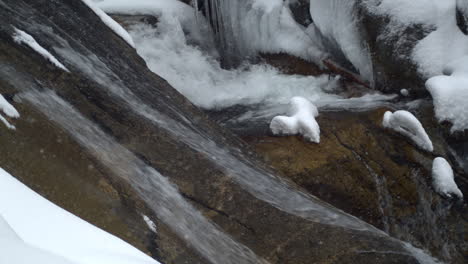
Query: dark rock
[377,175]
[462,15]
[300,11]
[391,45]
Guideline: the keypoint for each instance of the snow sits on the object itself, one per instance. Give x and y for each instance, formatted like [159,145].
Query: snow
[450,94]
[116,27]
[151,225]
[443,179]
[302,121]
[408,125]
[46,231]
[406,12]
[22,37]
[337,21]
[16,251]
[404,92]
[9,111]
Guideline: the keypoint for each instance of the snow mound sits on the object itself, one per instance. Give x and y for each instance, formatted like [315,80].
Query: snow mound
[22,37]
[16,251]
[408,125]
[443,180]
[302,121]
[9,111]
[116,27]
[450,94]
[35,228]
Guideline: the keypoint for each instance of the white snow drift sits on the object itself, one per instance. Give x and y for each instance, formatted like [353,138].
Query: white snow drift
[34,230]
[9,111]
[302,121]
[443,180]
[408,125]
[450,94]
[22,37]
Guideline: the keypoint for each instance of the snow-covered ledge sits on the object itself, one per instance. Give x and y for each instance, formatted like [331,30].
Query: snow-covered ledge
[302,121]
[408,125]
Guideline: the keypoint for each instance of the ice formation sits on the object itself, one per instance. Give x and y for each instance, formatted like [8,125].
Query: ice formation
[244,28]
[408,125]
[9,111]
[114,26]
[22,37]
[450,94]
[443,179]
[36,231]
[338,22]
[302,121]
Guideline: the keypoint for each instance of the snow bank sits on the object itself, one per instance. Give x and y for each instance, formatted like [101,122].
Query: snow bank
[450,94]
[9,111]
[442,46]
[22,37]
[116,27]
[16,251]
[46,231]
[443,180]
[408,125]
[302,121]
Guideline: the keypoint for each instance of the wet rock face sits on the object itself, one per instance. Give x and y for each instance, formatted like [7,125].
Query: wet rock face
[377,175]
[392,52]
[100,62]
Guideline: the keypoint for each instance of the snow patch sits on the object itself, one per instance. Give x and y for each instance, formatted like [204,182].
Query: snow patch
[450,94]
[22,37]
[443,179]
[302,121]
[114,26]
[9,111]
[49,232]
[408,125]
[151,225]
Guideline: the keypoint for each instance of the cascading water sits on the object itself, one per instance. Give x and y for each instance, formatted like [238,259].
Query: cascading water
[243,28]
[156,190]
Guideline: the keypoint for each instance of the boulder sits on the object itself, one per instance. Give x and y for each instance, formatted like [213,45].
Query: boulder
[375,174]
[133,145]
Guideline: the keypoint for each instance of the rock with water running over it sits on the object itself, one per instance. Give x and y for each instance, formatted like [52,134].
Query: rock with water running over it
[375,174]
[112,141]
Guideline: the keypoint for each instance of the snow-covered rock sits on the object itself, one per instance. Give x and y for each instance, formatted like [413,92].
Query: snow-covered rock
[443,180]
[450,94]
[116,27]
[408,125]
[22,37]
[302,121]
[33,230]
[9,111]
